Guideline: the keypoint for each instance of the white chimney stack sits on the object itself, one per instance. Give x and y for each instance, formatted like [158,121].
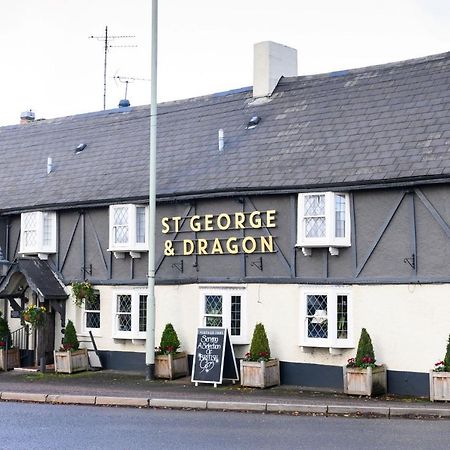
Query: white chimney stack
[271,61]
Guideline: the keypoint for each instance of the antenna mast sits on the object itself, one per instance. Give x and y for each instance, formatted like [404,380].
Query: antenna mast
[107,45]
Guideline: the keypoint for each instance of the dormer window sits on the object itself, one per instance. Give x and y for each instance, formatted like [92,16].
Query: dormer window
[38,233]
[128,230]
[323,221]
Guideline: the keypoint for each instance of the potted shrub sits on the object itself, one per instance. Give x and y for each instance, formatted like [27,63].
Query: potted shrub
[70,358]
[440,378]
[9,356]
[258,369]
[83,291]
[169,362]
[362,376]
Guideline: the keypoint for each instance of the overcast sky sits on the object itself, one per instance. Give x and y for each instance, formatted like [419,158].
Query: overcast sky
[49,64]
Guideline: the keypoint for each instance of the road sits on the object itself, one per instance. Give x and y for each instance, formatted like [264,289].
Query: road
[36,426]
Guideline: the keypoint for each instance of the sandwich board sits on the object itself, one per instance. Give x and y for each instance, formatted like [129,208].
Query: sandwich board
[214,358]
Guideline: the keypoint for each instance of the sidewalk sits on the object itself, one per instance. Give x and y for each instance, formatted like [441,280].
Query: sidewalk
[127,389]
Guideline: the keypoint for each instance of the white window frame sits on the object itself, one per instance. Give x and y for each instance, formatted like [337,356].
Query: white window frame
[330,239]
[332,341]
[85,328]
[39,248]
[226,292]
[134,333]
[131,245]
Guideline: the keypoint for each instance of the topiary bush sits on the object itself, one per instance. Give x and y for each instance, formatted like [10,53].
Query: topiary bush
[365,356]
[259,348]
[169,341]
[70,341]
[5,333]
[447,356]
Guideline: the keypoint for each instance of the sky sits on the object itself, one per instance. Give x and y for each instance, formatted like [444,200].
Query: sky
[49,63]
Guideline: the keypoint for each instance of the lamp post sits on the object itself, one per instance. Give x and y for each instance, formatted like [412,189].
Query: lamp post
[150,329]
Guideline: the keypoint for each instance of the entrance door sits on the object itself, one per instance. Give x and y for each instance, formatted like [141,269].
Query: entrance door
[49,337]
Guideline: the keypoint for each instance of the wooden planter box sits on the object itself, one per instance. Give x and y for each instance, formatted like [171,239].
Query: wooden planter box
[439,386]
[69,362]
[370,381]
[260,374]
[171,366]
[13,359]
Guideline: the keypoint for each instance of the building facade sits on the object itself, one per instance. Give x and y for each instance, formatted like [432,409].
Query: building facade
[319,208]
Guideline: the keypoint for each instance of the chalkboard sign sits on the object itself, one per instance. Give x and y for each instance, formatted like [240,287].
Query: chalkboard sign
[214,357]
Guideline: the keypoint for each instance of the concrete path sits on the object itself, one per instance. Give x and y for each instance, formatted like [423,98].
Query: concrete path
[110,388]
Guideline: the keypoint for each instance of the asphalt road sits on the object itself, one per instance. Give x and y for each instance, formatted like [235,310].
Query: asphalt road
[37,426]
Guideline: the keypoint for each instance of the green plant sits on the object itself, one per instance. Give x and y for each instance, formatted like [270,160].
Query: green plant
[259,347]
[365,356]
[5,334]
[82,291]
[447,356]
[169,341]
[70,341]
[34,315]
[444,366]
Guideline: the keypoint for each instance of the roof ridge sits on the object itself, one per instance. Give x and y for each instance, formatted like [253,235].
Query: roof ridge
[365,69]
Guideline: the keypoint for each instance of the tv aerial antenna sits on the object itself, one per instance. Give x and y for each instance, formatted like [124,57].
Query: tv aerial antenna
[125,80]
[107,45]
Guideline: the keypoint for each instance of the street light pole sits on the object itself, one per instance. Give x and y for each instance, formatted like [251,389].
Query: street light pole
[150,329]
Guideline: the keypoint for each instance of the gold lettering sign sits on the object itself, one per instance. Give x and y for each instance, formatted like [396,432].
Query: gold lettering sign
[222,222]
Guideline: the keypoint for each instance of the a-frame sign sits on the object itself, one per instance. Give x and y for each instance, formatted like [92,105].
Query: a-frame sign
[214,358]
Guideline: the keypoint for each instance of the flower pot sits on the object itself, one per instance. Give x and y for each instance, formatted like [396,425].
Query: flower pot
[439,386]
[260,374]
[171,366]
[370,381]
[13,358]
[69,362]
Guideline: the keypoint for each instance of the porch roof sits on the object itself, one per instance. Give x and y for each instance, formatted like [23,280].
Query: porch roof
[36,274]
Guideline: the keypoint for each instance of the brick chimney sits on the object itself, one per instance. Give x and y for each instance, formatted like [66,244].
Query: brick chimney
[26,117]
[271,61]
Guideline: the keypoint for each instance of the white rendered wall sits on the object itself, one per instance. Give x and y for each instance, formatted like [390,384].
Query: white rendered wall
[409,324]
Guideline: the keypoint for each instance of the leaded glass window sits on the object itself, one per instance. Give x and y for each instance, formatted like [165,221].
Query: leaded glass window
[317,316]
[314,216]
[124,312]
[120,225]
[342,317]
[235,328]
[92,312]
[140,224]
[340,215]
[142,312]
[213,310]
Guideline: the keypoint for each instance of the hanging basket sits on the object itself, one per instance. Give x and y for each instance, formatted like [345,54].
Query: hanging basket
[35,316]
[82,292]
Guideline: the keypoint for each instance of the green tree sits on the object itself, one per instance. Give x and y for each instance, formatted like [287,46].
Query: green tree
[5,333]
[365,350]
[447,356]
[259,348]
[70,341]
[169,340]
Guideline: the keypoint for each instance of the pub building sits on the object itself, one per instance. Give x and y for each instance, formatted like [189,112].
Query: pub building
[317,205]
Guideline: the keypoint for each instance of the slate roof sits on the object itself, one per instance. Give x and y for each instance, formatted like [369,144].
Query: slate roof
[378,124]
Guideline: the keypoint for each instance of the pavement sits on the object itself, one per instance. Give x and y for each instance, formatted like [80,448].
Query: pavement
[125,389]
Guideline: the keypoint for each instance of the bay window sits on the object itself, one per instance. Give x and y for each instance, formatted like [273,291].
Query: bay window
[323,220]
[38,233]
